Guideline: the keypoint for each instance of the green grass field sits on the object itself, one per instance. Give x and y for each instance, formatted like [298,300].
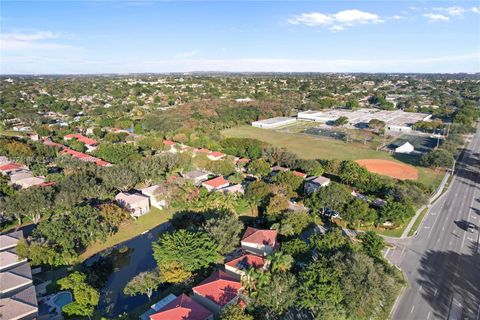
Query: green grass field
[310,147]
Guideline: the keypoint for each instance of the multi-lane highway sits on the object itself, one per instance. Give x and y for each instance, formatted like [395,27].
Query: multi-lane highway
[442,262]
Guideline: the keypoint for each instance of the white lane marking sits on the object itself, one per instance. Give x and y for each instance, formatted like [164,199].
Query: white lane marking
[413,307]
[429,314]
[435,293]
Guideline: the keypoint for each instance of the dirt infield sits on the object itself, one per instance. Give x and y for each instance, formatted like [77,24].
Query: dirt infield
[390,168]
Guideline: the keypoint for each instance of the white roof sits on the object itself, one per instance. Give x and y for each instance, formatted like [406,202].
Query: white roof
[319,180]
[152,190]
[275,120]
[130,198]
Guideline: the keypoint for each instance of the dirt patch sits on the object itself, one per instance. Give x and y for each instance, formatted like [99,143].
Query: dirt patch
[390,168]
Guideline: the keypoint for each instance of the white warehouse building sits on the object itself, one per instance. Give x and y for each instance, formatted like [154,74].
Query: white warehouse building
[273,122]
[396,121]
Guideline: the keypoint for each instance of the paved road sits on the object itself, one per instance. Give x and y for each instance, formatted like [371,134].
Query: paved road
[442,262]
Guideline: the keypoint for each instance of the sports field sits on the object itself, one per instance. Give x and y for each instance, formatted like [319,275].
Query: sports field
[421,143]
[389,168]
[312,147]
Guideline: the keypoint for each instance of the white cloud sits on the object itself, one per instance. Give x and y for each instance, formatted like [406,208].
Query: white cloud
[187,54]
[396,17]
[30,40]
[433,17]
[475,9]
[451,11]
[335,21]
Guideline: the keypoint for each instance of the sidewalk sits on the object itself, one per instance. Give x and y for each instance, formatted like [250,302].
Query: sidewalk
[432,199]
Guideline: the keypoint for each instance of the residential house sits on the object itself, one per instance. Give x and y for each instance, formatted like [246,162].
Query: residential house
[137,204]
[183,308]
[12,167]
[215,183]
[18,299]
[299,174]
[90,144]
[197,176]
[215,156]
[238,266]
[154,193]
[260,242]
[314,183]
[25,179]
[236,188]
[170,146]
[217,291]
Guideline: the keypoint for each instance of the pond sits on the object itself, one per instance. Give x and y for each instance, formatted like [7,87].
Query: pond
[127,264]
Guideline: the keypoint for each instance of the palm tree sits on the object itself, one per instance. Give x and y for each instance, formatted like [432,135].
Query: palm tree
[280,262]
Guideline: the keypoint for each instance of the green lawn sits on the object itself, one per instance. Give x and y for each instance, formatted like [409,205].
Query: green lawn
[310,147]
[307,146]
[130,230]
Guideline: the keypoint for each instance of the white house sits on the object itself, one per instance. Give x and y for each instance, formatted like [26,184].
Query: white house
[314,183]
[215,156]
[238,266]
[197,176]
[215,183]
[154,193]
[236,188]
[137,204]
[260,242]
[405,148]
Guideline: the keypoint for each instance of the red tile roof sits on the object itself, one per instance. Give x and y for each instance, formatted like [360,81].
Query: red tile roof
[216,182]
[78,155]
[182,308]
[102,163]
[247,261]
[219,287]
[261,237]
[216,154]
[47,184]
[169,143]
[81,138]
[299,174]
[243,160]
[11,166]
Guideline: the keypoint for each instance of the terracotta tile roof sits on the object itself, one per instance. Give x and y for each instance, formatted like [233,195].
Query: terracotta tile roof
[261,237]
[216,154]
[299,174]
[219,287]
[243,160]
[102,163]
[247,261]
[169,142]
[182,308]
[81,138]
[216,182]
[11,166]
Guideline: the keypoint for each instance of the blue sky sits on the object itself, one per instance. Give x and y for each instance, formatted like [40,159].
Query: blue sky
[168,36]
